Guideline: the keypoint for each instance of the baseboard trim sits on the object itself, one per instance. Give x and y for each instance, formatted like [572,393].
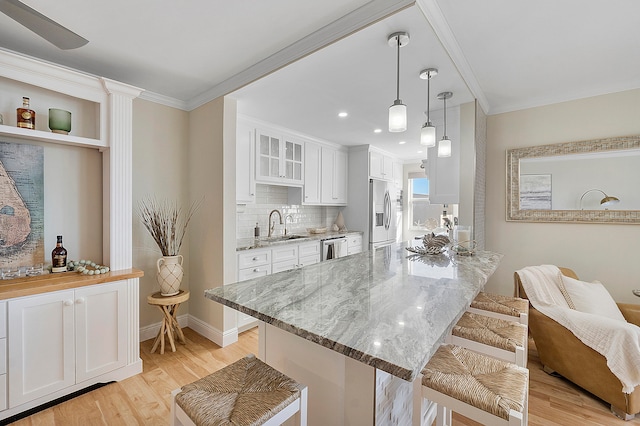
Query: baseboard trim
[216,336]
[197,325]
[151,331]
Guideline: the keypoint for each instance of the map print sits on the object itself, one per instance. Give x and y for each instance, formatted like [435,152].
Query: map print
[21,204]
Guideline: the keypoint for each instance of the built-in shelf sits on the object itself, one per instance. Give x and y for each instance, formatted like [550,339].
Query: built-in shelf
[39,135]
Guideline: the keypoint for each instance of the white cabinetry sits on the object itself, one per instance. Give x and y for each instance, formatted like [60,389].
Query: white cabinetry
[380,166]
[284,258]
[312,173]
[63,338]
[397,174]
[308,253]
[334,176]
[279,158]
[245,163]
[354,244]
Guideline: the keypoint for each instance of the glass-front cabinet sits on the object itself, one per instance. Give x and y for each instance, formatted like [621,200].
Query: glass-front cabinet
[279,158]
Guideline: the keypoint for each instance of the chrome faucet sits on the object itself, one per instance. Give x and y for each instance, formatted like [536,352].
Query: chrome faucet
[273,225]
[285,222]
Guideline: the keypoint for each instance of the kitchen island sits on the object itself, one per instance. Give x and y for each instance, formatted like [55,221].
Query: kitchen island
[358,330]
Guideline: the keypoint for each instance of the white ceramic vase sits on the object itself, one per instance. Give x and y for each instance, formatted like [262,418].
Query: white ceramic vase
[169,274]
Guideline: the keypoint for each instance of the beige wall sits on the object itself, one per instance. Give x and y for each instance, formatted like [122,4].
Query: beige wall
[608,253]
[160,159]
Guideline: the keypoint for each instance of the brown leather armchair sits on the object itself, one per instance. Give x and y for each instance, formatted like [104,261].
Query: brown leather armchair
[562,352]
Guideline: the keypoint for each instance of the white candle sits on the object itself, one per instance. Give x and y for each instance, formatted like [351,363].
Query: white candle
[464,238]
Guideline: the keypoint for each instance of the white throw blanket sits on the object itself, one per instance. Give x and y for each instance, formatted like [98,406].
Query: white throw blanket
[617,341]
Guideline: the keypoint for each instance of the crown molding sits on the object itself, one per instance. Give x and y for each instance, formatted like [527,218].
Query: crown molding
[434,15]
[164,100]
[365,15]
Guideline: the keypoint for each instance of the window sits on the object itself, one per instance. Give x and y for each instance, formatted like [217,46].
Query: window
[422,214]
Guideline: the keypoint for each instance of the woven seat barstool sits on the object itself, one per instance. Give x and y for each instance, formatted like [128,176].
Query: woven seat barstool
[245,393]
[503,307]
[484,389]
[506,340]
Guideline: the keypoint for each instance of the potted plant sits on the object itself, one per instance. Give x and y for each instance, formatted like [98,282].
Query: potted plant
[167,223]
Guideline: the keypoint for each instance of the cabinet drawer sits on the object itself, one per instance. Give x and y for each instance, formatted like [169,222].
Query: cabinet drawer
[286,265]
[255,272]
[309,260]
[354,241]
[254,258]
[286,252]
[354,250]
[309,249]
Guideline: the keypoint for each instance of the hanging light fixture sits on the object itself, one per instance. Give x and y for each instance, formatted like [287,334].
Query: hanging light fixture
[444,147]
[398,111]
[428,132]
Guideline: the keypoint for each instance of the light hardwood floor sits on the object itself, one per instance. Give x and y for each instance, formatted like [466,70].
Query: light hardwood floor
[144,399]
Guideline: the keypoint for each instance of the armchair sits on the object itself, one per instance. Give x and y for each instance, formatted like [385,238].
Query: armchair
[560,351]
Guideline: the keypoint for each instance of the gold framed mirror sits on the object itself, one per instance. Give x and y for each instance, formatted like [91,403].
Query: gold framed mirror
[565,182]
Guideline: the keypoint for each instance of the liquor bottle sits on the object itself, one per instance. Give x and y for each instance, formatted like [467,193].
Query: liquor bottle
[26,116]
[59,257]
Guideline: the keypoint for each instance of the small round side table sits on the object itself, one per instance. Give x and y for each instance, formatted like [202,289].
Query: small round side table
[169,307]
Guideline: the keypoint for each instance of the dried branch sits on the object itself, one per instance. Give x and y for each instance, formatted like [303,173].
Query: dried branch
[166,222]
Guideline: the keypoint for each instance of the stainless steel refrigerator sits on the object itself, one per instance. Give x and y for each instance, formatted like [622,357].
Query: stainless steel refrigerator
[383,201]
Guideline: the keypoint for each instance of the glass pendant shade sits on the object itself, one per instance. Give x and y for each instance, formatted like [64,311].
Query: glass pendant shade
[444,147]
[428,135]
[398,117]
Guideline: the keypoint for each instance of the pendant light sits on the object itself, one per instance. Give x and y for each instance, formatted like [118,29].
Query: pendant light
[444,147]
[398,111]
[428,132]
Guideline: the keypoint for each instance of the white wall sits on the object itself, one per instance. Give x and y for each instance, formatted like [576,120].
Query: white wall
[608,253]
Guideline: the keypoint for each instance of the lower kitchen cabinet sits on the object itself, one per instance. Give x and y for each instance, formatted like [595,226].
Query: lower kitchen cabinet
[63,338]
[354,244]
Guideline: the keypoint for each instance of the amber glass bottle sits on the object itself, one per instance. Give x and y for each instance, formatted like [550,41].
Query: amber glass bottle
[59,257]
[26,116]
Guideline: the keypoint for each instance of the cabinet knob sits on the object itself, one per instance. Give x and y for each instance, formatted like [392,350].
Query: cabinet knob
[256,270]
[80,300]
[68,302]
[255,258]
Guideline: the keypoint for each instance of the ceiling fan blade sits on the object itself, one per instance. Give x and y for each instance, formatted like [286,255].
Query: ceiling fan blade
[41,25]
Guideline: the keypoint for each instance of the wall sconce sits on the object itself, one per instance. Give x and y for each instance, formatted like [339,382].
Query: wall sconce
[444,147]
[398,111]
[428,132]
[605,202]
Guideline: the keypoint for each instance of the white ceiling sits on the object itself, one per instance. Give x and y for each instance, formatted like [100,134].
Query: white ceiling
[509,55]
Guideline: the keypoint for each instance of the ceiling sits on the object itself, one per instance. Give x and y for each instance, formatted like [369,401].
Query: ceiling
[508,55]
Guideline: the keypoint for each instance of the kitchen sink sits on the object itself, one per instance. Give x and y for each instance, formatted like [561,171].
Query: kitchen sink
[284,238]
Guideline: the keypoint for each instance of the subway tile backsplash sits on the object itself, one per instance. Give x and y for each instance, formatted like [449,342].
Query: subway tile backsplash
[269,197]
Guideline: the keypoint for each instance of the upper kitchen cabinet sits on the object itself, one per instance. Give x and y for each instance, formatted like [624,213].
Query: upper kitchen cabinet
[279,158]
[245,163]
[334,176]
[380,165]
[312,173]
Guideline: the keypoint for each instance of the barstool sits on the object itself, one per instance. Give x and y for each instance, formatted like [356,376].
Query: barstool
[487,390]
[245,393]
[503,307]
[506,340]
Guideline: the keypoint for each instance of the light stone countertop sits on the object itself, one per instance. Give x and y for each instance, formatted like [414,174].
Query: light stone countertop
[265,242]
[387,308]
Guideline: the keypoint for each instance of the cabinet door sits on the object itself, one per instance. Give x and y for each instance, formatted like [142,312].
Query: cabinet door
[397,174]
[268,155]
[327,186]
[340,177]
[387,168]
[312,161]
[286,265]
[376,165]
[101,329]
[255,272]
[292,160]
[245,161]
[41,345]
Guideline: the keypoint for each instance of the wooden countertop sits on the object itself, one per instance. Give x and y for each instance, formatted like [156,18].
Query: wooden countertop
[27,286]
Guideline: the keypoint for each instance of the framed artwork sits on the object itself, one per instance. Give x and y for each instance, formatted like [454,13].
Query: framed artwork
[535,192]
[21,204]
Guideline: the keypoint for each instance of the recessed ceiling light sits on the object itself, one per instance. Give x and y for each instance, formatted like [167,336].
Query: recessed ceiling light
[377,131]
[419,152]
[342,114]
[402,142]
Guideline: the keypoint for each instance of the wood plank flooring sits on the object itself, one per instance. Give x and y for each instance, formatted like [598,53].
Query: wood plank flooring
[144,399]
